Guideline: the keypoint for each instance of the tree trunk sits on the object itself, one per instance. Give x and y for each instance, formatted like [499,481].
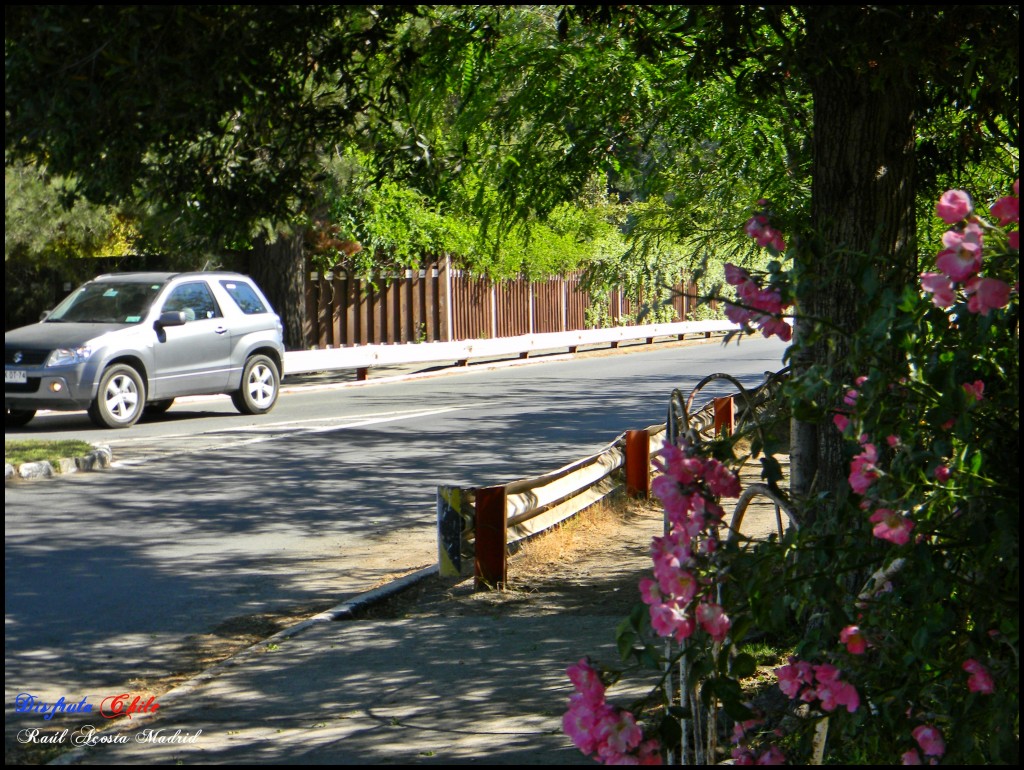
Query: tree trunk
[279,268]
[862,203]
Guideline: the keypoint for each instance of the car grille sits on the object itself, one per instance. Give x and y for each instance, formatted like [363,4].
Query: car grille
[28,357]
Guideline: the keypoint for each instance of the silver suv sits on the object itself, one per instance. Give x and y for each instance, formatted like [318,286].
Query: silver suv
[129,342]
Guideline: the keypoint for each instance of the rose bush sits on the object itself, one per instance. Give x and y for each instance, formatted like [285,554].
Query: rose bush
[902,610]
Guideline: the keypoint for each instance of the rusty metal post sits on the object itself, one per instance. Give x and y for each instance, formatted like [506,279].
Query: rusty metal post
[725,415]
[491,570]
[638,463]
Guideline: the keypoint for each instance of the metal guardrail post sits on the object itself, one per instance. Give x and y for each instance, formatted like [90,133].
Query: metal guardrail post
[491,569]
[638,463]
[725,415]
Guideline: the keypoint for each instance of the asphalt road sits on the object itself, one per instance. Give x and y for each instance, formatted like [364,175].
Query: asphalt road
[211,516]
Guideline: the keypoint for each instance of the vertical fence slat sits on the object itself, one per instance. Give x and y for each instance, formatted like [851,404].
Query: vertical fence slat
[323,308]
[445,303]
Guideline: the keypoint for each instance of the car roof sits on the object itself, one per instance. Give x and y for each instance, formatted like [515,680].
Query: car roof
[154,277]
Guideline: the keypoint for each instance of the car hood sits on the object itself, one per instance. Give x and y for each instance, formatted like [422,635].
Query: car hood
[52,335]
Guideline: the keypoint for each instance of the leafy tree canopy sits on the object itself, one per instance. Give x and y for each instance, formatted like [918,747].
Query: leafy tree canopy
[214,112]
[472,125]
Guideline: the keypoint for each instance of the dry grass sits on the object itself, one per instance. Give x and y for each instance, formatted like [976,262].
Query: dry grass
[581,535]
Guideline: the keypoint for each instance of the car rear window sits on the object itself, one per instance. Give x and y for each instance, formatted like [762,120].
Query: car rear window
[245,297]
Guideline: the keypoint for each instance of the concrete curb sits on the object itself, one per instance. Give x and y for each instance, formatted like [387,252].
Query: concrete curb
[101,457]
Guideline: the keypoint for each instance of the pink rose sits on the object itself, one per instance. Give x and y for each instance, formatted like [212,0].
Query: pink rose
[975,390]
[953,206]
[720,480]
[911,757]
[738,315]
[930,740]
[776,327]
[987,294]
[734,276]
[863,471]
[587,681]
[671,620]
[892,526]
[980,680]
[680,586]
[854,640]
[940,287]
[1006,210]
[714,620]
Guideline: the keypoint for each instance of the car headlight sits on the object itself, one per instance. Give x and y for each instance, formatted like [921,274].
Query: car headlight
[69,356]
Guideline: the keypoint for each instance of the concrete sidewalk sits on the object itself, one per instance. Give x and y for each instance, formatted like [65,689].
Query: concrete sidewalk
[410,691]
[439,675]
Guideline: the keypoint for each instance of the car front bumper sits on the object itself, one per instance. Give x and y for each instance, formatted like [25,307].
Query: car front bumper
[64,388]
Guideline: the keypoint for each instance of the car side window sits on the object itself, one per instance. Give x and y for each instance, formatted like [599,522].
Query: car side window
[244,296]
[195,300]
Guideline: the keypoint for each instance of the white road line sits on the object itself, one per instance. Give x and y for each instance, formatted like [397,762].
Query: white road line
[358,422]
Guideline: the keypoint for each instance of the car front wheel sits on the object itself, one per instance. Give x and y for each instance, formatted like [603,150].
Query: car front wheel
[16,418]
[260,385]
[120,399]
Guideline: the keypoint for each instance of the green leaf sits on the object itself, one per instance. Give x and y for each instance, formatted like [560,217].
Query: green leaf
[744,665]
[771,470]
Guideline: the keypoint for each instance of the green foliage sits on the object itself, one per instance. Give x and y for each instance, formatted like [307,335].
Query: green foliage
[396,133]
[40,228]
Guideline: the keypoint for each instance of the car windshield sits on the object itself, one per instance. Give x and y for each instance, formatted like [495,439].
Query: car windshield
[106,302]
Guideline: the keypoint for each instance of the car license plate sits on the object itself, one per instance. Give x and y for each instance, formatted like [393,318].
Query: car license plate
[15,376]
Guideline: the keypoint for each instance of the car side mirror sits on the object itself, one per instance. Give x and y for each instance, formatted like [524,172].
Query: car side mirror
[44,315]
[171,318]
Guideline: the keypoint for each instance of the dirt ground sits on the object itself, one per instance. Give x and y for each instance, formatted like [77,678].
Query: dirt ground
[597,558]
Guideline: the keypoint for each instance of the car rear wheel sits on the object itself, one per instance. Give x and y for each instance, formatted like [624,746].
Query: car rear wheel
[120,399]
[16,418]
[260,385]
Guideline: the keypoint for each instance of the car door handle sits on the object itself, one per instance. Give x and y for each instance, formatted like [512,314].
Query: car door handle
[220,330]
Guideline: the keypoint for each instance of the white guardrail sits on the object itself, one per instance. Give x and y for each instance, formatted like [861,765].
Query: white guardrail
[366,356]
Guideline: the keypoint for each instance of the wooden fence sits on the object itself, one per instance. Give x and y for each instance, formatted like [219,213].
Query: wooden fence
[443,304]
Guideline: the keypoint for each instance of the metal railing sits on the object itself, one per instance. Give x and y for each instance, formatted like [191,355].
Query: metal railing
[477,524]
